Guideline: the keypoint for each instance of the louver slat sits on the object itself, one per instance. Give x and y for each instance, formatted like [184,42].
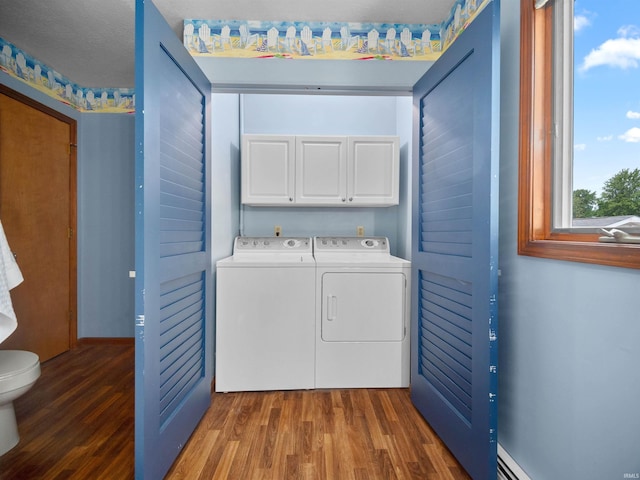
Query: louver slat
[182,232]
[446,340]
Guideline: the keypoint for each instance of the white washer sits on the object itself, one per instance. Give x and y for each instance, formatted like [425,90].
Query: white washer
[362,314]
[265,315]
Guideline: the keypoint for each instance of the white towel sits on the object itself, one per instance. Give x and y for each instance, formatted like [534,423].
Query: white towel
[10,276]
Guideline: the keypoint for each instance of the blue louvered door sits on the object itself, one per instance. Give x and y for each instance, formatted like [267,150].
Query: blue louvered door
[455,245]
[173,332]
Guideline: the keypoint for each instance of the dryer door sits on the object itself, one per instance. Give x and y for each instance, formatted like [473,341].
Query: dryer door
[363,307]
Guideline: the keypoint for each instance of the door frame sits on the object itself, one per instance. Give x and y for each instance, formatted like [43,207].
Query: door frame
[73,203]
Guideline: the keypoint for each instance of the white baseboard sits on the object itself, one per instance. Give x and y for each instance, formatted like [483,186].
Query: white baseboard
[508,469]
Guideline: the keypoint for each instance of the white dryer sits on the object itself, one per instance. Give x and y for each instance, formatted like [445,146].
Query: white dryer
[362,314]
[265,315]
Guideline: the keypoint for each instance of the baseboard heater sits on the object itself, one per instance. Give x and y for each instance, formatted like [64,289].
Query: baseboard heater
[508,469]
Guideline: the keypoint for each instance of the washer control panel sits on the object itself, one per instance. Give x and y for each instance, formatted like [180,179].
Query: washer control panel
[272,245]
[351,245]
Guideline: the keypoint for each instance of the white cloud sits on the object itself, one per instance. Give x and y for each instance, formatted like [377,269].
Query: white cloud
[629,31]
[580,147]
[619,52]
[631,136]
[580,22]
[633,115]
[605,139]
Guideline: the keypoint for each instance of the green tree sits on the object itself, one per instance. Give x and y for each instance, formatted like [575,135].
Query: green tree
[584,203]
[621,194]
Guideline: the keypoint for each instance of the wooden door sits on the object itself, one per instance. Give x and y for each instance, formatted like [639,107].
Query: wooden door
[455,245]
[37,209]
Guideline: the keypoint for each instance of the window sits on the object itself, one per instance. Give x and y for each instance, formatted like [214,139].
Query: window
[542,229]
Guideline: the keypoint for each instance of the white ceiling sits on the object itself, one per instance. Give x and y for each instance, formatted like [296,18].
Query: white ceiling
[91,42]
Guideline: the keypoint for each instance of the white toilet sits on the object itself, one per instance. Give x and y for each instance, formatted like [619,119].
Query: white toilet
[19,370]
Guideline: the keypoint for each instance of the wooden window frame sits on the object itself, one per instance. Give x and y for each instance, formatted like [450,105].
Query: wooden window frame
[536,236]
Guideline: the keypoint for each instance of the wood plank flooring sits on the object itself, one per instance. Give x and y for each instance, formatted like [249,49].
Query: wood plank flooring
[77,423]
[316,434]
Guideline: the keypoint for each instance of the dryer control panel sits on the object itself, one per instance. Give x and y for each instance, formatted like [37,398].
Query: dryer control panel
[351,245]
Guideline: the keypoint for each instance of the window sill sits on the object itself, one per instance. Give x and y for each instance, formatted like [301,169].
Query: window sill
[586,249]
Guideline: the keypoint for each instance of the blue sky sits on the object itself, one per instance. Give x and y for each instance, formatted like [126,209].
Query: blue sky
[607,90]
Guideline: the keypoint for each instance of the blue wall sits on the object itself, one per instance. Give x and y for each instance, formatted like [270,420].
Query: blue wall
[331,115]
[569,379]
[105,216]
[105,225]
[225,166]
[225,178]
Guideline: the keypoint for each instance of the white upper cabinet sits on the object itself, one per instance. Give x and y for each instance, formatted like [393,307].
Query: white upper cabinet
[374,171]
[320,170]
[268,169]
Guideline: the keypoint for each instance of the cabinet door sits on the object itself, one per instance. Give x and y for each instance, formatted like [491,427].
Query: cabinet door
[268,169]
[321,170]
[373,171]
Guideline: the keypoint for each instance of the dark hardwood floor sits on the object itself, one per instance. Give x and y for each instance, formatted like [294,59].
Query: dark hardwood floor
[77,423]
